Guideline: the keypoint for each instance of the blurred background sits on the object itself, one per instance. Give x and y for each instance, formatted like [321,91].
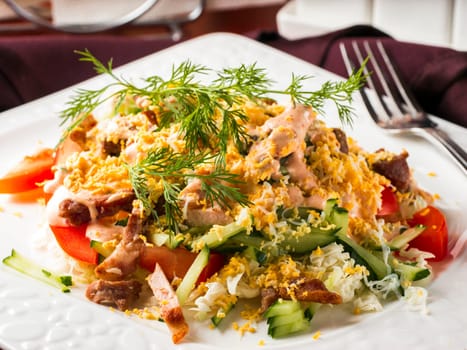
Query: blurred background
[433,22]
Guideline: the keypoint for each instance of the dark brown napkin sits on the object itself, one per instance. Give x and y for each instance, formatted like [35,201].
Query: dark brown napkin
[31,67]
[35,66]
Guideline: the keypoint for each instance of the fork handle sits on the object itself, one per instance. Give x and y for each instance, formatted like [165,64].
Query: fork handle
[456,151]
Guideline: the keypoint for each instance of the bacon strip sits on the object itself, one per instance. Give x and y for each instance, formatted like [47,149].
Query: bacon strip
[124,259]
[396,170]
[116,293]
[171,311]
[78,213]
[312,290]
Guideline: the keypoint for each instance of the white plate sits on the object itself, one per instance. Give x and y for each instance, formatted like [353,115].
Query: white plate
[34,316]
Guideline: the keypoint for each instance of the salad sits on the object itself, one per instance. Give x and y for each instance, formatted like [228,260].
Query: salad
[191,198]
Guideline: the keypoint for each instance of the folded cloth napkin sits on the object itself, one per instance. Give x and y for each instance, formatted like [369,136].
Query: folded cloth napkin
[31,67]
[35,66]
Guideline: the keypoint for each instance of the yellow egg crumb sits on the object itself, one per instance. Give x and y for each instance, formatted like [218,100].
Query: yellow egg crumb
[242,329]
[317,335]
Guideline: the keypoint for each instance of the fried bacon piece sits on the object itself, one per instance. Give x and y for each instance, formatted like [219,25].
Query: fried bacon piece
[342,139]
[124,259]
[311,289]
[112,204]
[111,148]
[75,212]
[171,311]
[396,169]
[114,293]
[78,213]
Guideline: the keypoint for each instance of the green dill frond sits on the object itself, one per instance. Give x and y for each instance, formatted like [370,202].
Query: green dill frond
[99,67]
[173,169]
[247,80]
[210,117]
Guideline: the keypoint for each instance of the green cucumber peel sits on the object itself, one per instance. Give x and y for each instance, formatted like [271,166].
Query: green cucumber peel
[30,268]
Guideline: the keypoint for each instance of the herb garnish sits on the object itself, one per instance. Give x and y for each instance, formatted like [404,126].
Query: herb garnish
[181,98]
[218,186]
[209,116]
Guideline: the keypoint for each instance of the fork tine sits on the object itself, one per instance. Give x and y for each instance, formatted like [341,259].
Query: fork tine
[350,67]
[404,101]
[388,93]
[387,111]
[409,100]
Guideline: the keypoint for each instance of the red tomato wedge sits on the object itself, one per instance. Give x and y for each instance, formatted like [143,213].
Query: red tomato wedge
[176,262]
[389,203]
[73,241]
[434,238]
[29,172]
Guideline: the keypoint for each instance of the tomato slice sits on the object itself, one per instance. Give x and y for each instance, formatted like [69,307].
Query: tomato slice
[434,238]
[73,241]
[389,203]
[29,172]
[176,262]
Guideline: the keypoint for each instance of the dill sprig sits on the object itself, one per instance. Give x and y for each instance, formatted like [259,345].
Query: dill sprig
[172,169]
[210,117]
[339,92]
[197,107]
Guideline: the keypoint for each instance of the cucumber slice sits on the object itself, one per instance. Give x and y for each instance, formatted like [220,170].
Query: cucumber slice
[243,239]
[330,205]
[288,329]
[377,268]
[189,281]
[309,242]
[221,314]
[405,237]
[281,320]
[255,254]
[408,272]
[30,268]
[282,307]
[101,248]
[311,310]
[285,317]
[340,217]
[218,235]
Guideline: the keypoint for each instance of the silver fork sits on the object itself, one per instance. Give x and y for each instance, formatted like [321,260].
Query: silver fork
[395,109]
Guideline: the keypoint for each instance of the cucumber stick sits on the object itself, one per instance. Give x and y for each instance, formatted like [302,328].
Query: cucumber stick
[191,276]
[24,265]
[220,315]
[309,242]
[377,268]
[405,237]
[340,217]
[218,235]
[101,248]
[408,272]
